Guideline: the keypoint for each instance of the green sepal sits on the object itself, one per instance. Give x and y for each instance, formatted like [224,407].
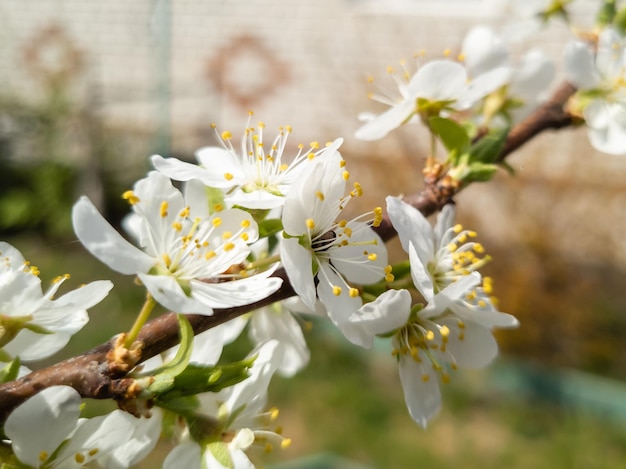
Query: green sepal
[10,371]
[5,356]
[163,377]
[480,172]
[185,406]
[270,227]
[453,136]
[606,13]
[219,450]
[488,148]
[619,21]
[196,379]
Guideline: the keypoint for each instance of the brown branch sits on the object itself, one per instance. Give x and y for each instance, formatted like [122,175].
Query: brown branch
[92,374]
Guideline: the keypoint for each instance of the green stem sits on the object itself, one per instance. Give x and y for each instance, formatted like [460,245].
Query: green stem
[142,317]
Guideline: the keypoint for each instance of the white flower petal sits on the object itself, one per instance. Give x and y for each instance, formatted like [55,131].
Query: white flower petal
[187,455]
[183,171]
[105,243]
[42,423]
[236,293]
[298,262]
[422,396]
[439,80]
[388,312]
[476,349]
[167,292]
[350,260]
[341,306]
[580,67]
[381,125]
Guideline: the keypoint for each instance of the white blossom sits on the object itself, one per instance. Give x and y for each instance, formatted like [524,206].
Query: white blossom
[601,81]
[185,253]
[34,324]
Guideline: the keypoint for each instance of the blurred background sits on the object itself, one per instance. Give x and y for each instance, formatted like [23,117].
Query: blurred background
[90,89]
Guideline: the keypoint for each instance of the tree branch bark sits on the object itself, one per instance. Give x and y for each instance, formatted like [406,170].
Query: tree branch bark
[91,374]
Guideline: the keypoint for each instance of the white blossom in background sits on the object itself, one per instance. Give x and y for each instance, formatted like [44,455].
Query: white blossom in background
[526,85]
[276,322]
[185,253]
[528,17]
[438,87]
[336,251]
[600,78]
[256,176]
[45,431]
[34,325]
[240,422]
[453,329]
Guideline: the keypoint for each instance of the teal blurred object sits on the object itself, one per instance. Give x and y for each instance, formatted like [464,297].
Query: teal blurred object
[320,461]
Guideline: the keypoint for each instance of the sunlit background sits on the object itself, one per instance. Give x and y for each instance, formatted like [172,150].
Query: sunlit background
[90,89]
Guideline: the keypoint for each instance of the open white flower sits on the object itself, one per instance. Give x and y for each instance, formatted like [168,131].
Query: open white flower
[46,432]
[254,177]
[525,88]
[440,86]
[34,325]
[601,81]
[453,330]
[316,243]
[185,253]
[240,422]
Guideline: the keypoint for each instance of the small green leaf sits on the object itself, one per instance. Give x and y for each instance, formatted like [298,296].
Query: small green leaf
[619,21]
[453,136]
[10,371]
[480,172]
[488,148]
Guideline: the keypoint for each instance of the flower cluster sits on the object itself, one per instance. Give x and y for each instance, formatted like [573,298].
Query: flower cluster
[256,236]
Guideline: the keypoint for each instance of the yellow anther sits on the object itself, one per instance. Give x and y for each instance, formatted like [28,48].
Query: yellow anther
[320,195]
[342,164]
[217,221]
[347,231]
[353,292]
[167,260]
[213,125]
[430,335]
[370,79]
[446,52]
[372,256]
[218,207]
[209,255]
[261,125]
[345,175]
[93,452]
[164,206]
[472,234]
[229,246]
[228,176]
[310,224]
[444,331]
[461,57]
[268,448]
[425,378]
[226,235]
[184,213]
[445,378]
[457,228]
[451,247]
[336,290]
[389,278]
[482,303]
[43,456]
[478,248]
[315,145]
[342,223]
[131,197]
[226,135]
[245,236]
[288,128]
[471,295]
[79,458]
[286,443]
[389,69]
[245,223]
[283,167]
